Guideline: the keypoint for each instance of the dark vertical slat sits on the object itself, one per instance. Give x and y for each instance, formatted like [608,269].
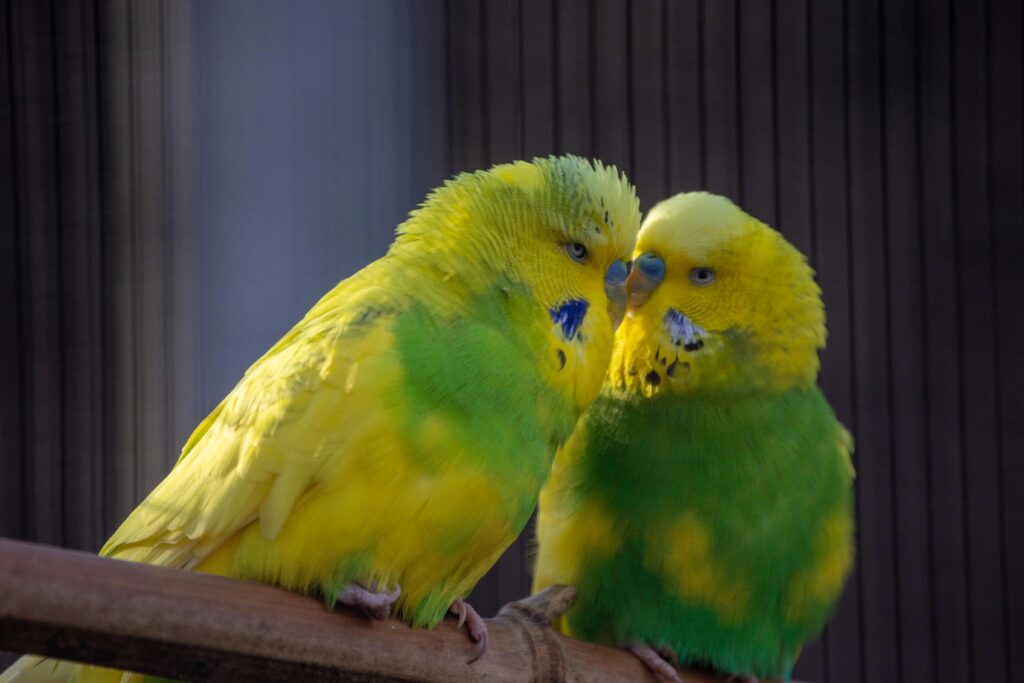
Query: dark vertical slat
[980,469]
[152,299]
[792,133]
[647,96]
[722,105]
[574,74]
[98,411]
[941,341]
[756,110]
[869,259]
[118,256]
[94,394]
[791,102]
[503,95]
[466,74]
[39,205]
[433,109]
[906,307]
[537,51]
[685,131]
[13,522]
[105,361]
[1006,185]
[831,223]
[79,266]
[610,51]
[180,198]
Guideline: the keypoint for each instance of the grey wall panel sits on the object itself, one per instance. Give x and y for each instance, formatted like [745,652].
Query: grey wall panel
[941,349]
[906,300]
[319,128]
[1006,177]
[12,353]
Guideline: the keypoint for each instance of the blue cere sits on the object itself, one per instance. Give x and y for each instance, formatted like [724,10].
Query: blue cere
[650,265]
[617,273]
[570,316]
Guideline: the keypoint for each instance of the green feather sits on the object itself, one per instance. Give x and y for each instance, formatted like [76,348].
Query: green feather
[760,474]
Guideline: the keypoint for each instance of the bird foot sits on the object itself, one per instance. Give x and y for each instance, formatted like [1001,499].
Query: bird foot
[658,661]
[545,607]
[474,623]
[372,603]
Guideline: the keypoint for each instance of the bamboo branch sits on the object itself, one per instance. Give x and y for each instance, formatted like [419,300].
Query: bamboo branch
[196,627]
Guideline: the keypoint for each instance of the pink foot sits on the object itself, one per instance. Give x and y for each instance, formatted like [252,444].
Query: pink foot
[657,662]
[373,604]
[474,622]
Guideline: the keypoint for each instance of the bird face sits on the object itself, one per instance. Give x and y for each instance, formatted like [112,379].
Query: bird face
[582,219]
[541,246]
[718,302]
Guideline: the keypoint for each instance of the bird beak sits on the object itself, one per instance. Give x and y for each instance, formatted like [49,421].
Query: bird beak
[615,288]
[648,272]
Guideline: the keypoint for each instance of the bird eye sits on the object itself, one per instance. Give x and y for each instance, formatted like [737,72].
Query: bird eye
[576,251]
[702,276]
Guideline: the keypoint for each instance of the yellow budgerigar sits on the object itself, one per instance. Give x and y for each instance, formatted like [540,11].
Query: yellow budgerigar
[388,448]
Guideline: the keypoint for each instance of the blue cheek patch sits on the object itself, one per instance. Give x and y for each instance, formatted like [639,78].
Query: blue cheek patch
[570,316]
[683,331]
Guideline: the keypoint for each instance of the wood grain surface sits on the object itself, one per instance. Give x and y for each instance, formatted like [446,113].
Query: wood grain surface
[198,627]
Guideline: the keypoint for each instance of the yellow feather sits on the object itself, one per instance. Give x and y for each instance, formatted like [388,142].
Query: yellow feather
[685,557]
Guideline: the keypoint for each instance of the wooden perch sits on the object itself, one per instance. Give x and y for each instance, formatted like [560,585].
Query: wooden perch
[197,627]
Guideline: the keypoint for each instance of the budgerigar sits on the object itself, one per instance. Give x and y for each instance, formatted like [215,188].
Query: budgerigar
[702,506]
[388,448]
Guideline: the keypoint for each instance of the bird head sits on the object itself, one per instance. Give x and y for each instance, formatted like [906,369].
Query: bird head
[719,303]
[549,240]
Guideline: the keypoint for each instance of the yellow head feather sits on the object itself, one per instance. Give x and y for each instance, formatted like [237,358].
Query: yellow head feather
[514,219]
[508,229]
[738,309]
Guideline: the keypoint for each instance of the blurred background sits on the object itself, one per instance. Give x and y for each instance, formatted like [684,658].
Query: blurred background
[181,180]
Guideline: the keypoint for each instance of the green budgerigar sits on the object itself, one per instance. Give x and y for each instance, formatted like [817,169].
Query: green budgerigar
[703,505]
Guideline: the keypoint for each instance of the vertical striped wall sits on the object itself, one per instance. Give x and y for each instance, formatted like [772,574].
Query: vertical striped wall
[96,352]
[884,139]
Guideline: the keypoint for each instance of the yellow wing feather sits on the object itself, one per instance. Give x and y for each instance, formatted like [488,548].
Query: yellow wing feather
[258,451]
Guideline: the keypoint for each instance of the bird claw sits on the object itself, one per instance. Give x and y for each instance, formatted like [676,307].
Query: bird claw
[475,623]
[657,662]
[547,605]
[373,604]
